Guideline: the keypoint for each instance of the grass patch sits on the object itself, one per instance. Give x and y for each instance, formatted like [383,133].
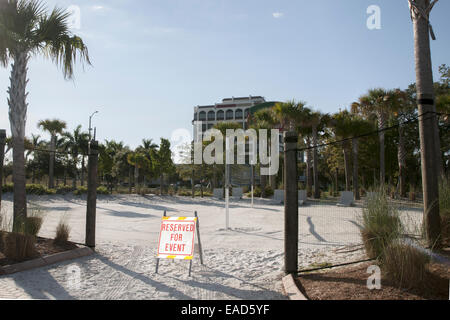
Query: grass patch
[405,266]
[62,232]
[444,209]
[381,224]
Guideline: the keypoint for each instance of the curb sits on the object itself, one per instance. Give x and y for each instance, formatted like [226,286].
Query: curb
[46,260]
[291,289]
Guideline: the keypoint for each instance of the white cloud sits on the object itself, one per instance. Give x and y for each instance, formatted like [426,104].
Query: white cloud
[97,8]
[277,15]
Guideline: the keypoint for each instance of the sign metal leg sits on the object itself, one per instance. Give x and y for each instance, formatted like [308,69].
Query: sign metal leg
[157,259]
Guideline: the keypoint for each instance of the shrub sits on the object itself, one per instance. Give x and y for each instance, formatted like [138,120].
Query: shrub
[62,232]
[444,208]
[37,189]
[64,190]
[381,224]
[9,187]
[269,191]
[80,191]
[33,225]
[184,193]
[405,266]
[103,190]
[256,192]
[18,247]
[205,193]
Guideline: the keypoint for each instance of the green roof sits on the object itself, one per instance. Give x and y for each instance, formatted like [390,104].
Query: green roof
[262,106]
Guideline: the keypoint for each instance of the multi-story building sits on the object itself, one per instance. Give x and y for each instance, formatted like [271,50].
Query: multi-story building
[229,110]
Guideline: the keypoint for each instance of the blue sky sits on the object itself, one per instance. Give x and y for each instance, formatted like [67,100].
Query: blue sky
[154,60]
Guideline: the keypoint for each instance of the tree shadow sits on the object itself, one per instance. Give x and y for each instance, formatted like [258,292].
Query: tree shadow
[243,294]
[138,276]
[48,287]
[312,230]
[127,214]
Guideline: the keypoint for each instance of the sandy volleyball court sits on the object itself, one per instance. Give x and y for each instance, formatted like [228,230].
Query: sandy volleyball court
[243,263]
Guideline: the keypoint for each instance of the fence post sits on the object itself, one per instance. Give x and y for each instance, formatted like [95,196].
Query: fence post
[290,203]
[2,157]
[92,194]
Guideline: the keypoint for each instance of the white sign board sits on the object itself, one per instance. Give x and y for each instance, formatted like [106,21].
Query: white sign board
[176,238]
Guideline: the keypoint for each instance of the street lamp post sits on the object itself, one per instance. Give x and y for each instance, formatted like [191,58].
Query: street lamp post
[90,128]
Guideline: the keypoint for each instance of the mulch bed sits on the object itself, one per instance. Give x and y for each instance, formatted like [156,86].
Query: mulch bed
[350,283]
[44,247]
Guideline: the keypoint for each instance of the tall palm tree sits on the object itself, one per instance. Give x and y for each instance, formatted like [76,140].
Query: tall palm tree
[264,119]
[35,143]
[317,122]
[399,106]
[375,103]
[75,144]
[139,161]
[148,148]
[429,135]
[54,127]
[28,30]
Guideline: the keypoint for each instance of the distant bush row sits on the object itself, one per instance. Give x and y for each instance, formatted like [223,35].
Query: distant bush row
[37,189]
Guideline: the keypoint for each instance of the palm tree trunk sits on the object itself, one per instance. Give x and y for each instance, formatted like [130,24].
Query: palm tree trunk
[82,171]
[309,164]
[161,184]
[401,162]
[51,167]
[19,180]
[336,182]
[355,169]
[427,125]
[381,124]
[315,164]
[136,179]
[263,179]
[130,170]
[2,158]
[346,152]
[17,118]
[193,182]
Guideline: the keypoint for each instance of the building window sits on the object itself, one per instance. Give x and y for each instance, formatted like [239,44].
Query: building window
[195,117]
[204,127]
[230,115]
[210,126]
[246,113]
[211,116]
[239,114]
[202,116]
[220,115]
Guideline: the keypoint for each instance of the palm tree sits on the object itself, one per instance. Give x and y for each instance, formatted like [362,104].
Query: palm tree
[139,161]
[429,135]
[35,143]
[375,103]
[317,122]
[28,30]
[54,127]
[264,119]
[75,144]
[148,148]
[163,163]
[399,107]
